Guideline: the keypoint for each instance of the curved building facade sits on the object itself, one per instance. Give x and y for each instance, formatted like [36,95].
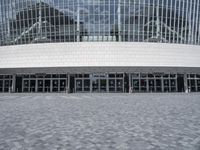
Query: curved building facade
[99,45]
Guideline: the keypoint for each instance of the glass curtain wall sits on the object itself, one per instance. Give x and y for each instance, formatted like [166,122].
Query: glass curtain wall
[42,21]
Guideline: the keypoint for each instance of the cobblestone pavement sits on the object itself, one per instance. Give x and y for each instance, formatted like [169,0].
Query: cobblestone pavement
[100,121]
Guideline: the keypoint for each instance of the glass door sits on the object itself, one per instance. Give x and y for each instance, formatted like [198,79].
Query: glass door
[55,85]
[86,85]
[95,85]
[40,85]
[63,85]
[119,85]
[103,84]
[1,85]
[26,86]
[32,85]
[79,85]
[111,85]
[47,85]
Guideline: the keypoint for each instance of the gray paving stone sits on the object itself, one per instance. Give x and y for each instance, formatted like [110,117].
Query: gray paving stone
[100,121]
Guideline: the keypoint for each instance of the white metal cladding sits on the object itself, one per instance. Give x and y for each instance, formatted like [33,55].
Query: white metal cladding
[99,54]
[49,21]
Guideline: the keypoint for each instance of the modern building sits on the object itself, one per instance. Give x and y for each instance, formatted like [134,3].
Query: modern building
[99,45]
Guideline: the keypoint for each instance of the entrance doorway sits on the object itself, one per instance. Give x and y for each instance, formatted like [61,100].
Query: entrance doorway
[47,84]
[99,83]
[18,87]
[180,82]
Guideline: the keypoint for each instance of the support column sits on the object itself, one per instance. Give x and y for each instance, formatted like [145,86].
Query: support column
[22,85]
[185,83]
[155,85]
[119,19]
[140,83]
[123,87]
[59,84]
[43,88]
[68,83]
[115,84]
[147,84]
[129,83]
[3,84]
[91,77]
[107,83]
[51,85]
[83,84]
[162,83]
[176,82]
[78,24]
[36,85]
[170,88]
[196,88]
[13,83]
[75,86]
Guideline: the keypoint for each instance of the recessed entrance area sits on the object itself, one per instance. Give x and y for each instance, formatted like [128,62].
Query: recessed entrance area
[44,83]
[100,83]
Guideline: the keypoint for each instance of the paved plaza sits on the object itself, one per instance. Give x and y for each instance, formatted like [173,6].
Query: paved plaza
[100,121]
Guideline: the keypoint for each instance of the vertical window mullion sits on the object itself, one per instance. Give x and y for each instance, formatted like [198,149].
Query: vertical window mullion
[153,20]
[183,19]
[134,21]
[186,26]
[197,18]
[199,25]
[171,9]
[166,20]
[148,22]
[175,19]
[178,29]
[128,21]
[143,16]
[139,10]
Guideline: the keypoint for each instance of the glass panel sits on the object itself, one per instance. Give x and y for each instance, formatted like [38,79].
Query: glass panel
[119,75]
[6,85]
[32,76]
[55,86]
[49,21]
[47,84]
[48,76]
[103,83]
[87,85]
[111,75]
[166,85]
[40,85]
[150,75]
[63,76]
[143,84]
[26,85]
[198,85]
[193,86]
[173,85]
[112,85]
[55,76]
[95,85]
[86,75]
[79,85]
[63,85]
[158,85]
[135,85]
[1,85]
[151,85]
[32,85]
[119,85]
